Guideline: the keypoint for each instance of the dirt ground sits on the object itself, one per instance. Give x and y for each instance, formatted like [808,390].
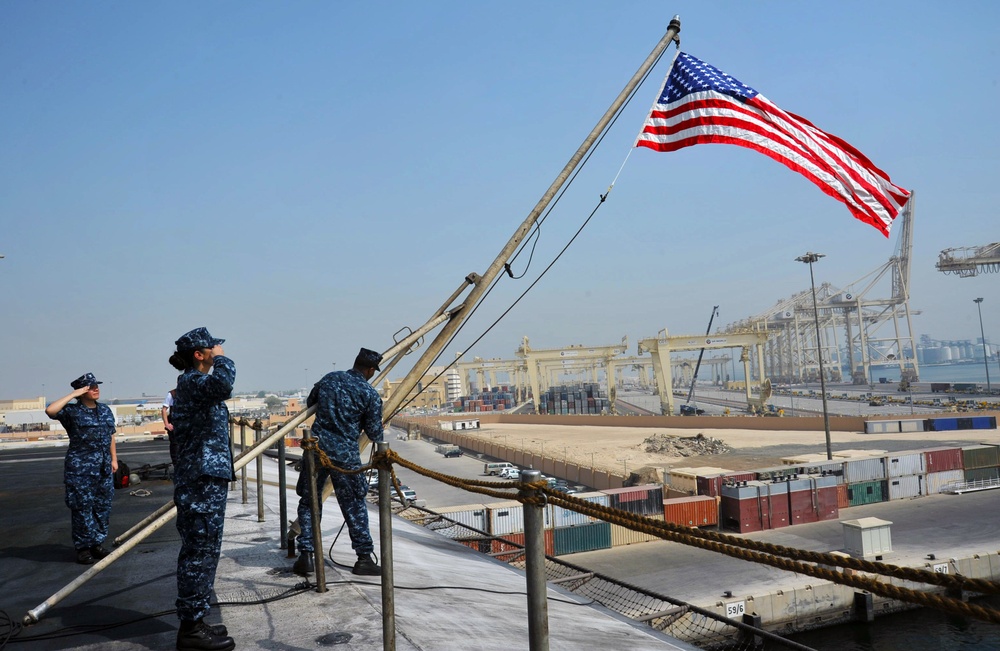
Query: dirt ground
[621,448]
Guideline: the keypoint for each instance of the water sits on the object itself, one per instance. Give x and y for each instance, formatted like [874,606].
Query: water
[916,630]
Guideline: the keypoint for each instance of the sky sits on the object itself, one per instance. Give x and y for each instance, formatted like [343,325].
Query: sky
[307,178]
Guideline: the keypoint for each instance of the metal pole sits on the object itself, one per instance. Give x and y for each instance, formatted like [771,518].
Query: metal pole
[260,473]
[142,523]
[282,494]
[35,614]
[309,467]
[243,471]
[480,284]
[982,333]
[534,557]
[810,258]
[385,543]
[232,449]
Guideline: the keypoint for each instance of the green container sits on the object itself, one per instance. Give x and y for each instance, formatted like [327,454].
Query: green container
[582,538]
[982,474]
[980,456]
[866,492]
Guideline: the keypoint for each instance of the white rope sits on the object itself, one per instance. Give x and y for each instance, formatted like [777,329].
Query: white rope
[677,52]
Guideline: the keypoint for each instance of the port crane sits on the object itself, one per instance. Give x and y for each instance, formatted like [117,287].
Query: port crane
[966,262]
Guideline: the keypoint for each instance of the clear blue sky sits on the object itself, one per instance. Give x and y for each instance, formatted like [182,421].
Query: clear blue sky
[305,178]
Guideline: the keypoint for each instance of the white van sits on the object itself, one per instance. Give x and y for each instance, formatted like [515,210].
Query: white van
[510,473]
[496,467]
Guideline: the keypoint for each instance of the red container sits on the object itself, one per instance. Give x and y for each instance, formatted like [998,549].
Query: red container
[843,501]
[827,498]
[803,506]
[696,511]
[711,484]
[503,549]
[780,510]
[745,515]
[942,459]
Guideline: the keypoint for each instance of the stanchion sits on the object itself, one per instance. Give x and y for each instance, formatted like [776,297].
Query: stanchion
[534,570]
[309,467]
[260,473]
[385,542]
[282,493]
[243,470]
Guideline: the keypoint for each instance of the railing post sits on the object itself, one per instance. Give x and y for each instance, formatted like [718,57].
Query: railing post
[385,545]
[282,493]
[309,466]
[232,448]
[260,473]
[243,470]
[534,558]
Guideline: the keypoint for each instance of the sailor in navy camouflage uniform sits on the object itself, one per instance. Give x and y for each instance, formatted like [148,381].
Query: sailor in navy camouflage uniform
[91,462]
[346,404]
[203,470]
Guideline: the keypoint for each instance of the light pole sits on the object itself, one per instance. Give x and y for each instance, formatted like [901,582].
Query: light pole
[809,258]
[986,360]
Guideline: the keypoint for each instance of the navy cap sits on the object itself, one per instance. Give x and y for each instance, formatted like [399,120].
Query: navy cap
[85,380]
[197,338]
[368,359]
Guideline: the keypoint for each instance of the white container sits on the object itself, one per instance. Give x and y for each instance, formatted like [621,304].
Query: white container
[508,517]
[901,488]
[471,515]
[871,469]
[936,480]
[903,464]
[562,517]
[911,425]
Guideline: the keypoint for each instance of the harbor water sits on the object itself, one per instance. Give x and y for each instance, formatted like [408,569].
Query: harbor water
[915,630]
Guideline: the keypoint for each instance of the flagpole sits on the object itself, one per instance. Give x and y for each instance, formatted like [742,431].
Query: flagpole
[480,284]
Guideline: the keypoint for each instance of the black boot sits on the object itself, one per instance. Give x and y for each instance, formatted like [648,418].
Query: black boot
[366,566]
[84,557]
[199,636]
[99,552]
[304,565]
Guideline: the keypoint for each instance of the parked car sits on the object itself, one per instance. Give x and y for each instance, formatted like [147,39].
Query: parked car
[452,453]
[510,473]
[408,493]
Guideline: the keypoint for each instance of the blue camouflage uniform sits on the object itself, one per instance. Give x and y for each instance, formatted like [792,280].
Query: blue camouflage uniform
[203,468]
[346,404]
[88,476]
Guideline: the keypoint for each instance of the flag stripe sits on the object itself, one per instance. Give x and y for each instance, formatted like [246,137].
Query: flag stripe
[699,104]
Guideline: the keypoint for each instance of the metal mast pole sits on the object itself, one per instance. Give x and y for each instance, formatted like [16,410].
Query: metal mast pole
[982,333]
[809,258]
[481,283]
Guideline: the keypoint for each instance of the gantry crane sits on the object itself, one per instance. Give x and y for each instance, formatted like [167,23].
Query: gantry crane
[533,358]
[970,261]
[663,344]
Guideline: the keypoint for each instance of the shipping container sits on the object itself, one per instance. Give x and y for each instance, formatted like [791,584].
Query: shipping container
[825,468]
[903,464]
[842,501]
[621,536]
[937,480]
[505,544]
[942,424]
[641,500]
[979,456]
[582,538]
[779,472]
[686,479]
[508,517]
[695,511]
[942,459]
[982,474]
[881,427]
[710,484]
[984,422]
[563,517]
[471,515]
[858,470]
[755,507]
[866,492]
[901,488]
[912,425]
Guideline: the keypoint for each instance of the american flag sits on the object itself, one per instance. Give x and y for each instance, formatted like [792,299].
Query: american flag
[701,104]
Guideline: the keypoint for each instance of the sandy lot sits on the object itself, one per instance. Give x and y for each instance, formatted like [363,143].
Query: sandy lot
[617,448]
